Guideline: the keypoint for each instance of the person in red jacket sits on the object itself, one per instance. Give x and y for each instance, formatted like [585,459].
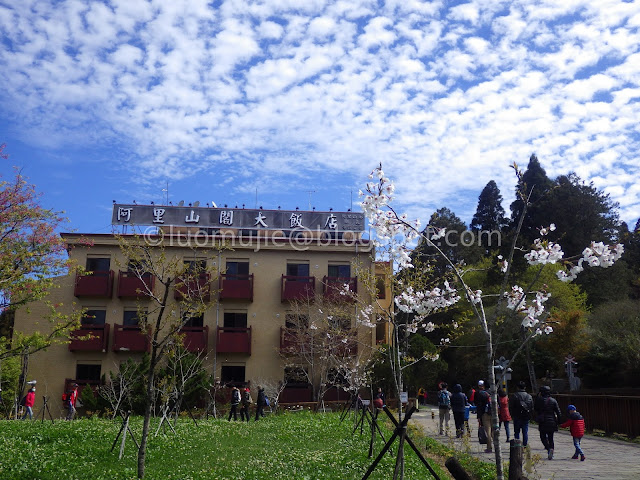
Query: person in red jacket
[576,427]
[29,400]
[503,412]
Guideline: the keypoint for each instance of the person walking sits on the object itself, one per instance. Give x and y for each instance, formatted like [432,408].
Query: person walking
[483,412]
[246,402]
[503,412]
[548,418]
[261,401]
[379,400]
[520,408]
[575,423]
[444,407]
[459,404]
[70,402]
[29,400]
[235,401]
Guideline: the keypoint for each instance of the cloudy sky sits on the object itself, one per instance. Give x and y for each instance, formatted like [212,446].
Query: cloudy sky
[292,102]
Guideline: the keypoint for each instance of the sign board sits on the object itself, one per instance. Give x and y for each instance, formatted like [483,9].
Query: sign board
[404,397]
[206,217]
[366,403]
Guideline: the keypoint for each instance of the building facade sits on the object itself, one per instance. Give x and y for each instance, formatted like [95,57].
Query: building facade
[252,270]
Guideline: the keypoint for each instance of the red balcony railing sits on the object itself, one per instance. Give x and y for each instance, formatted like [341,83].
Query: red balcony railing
[95,284]
[130,339]
[340,289]
[237,287]
[82,384]
[233,340]
[132,286]
[196,339]
[348,346]
[194,288]
[297,288]
[97,341]
[291,342]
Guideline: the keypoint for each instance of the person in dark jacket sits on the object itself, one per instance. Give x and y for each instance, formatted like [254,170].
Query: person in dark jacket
[235,401]
[520,407]
[483,411]
[260,403]
[575,423]
[245,404]
[459,404]
[548,417]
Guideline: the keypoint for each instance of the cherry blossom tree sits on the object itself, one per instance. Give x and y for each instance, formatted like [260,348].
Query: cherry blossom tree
[396,235]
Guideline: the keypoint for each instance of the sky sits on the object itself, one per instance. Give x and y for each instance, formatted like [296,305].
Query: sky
[292,103]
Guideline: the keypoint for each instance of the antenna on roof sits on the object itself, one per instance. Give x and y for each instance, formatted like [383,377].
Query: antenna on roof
[196,203]
[181,203]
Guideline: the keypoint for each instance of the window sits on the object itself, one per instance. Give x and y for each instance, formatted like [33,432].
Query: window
[381,287]
[137,267]
[296,321]
[237,268]
[88,372]
[340,271]
[98,264]
[298,269]
[130,318]
[232,374]
[296,377]
[94,317]
[235,319]
[195,266]
[340,323]
[197,321]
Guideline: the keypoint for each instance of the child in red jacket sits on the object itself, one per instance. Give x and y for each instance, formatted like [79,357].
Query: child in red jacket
[576,427]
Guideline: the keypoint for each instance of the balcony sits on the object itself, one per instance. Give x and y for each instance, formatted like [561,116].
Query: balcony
[194,287]
[95,284]
[97,342]
[196,339]
[291,342]
[129,339]
[233,340]
[348,347]
[297,288]
[236,287]
[132,286]
[340,289]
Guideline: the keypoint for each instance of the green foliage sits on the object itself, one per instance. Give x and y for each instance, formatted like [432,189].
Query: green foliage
[479,469]
[489,214]
[289,446]
[9,374]
[615,353]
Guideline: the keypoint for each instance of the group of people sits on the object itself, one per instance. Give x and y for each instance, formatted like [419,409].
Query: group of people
[518,409]
[244,400]
[69,402]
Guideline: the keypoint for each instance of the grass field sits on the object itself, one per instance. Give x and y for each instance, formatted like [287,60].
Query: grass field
[293,446]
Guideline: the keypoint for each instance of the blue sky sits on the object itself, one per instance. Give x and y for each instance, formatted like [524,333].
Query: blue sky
[286,102]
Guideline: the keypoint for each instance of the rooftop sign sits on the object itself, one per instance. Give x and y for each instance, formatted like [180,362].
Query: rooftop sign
[205,217]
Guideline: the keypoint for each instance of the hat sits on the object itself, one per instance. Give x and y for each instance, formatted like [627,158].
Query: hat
[571,407]
[247,389]
[481,383]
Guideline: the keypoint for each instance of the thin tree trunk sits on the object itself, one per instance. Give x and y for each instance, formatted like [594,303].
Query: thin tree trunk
[495,424]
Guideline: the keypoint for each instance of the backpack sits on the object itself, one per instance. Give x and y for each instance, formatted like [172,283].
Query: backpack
[266,401]
[444,400]
[23,401]
[522,408]
[65,397]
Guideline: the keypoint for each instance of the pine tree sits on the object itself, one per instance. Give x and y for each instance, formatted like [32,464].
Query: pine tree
[490,214]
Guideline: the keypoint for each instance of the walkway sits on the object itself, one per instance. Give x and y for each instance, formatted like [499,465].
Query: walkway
[605,458]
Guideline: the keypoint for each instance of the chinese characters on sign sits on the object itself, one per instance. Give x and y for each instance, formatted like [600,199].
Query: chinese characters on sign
[205,217]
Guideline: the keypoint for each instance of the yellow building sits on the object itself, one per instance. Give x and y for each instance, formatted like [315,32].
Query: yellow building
[270,259]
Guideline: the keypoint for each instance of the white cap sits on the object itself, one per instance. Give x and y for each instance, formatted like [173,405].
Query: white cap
[480,383]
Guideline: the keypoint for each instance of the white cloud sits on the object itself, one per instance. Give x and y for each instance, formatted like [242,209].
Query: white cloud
[447,98]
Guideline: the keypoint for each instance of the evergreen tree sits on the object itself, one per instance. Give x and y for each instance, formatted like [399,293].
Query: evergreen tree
[535,185]
[489,220]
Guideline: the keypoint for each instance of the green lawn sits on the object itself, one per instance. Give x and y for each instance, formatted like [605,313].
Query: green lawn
[290,446]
